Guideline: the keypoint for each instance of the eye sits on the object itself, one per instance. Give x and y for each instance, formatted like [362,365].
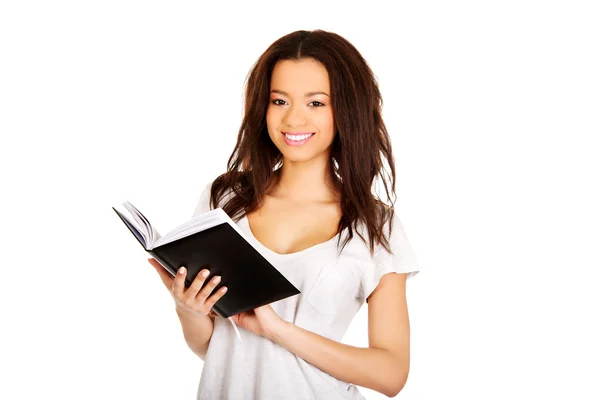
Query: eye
[318,104]
[276,102]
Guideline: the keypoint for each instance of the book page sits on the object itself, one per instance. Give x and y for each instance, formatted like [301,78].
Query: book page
[197,224]
[139,223]
[201,222]
[152,232]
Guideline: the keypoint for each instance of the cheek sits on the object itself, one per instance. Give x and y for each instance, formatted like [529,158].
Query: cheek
[272,119]
[325,123]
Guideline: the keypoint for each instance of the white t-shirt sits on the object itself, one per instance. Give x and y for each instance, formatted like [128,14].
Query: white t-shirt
[333,289]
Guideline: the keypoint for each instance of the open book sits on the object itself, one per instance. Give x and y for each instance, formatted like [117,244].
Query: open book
[213,241]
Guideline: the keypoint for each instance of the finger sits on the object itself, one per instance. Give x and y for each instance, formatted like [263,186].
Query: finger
[179,283]
[196,285]
[201,297]
[210,302]
[166,278]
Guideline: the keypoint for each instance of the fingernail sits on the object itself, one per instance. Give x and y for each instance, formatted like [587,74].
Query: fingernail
[181,270]
[205,273]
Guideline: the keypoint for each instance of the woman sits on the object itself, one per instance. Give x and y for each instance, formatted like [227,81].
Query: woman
[311,144]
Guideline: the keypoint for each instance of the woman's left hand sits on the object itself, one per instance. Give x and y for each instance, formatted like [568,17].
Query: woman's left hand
[262,321]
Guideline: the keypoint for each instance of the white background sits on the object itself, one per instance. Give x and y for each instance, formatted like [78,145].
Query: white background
[493,109]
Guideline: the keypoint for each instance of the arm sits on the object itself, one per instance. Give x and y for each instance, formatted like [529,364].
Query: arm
[197,331]
[384,365]
[192,306]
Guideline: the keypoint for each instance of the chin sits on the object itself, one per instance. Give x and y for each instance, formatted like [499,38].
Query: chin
[297,158]
[304,156]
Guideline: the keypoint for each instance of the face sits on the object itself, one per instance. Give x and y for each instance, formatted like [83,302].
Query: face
[299,115]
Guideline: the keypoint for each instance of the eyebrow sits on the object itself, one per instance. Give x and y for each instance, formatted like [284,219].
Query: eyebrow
[309,94]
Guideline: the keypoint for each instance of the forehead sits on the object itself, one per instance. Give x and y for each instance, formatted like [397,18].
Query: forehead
[299,77]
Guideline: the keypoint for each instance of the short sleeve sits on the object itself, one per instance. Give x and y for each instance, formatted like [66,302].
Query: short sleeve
[203,204]
[402,260]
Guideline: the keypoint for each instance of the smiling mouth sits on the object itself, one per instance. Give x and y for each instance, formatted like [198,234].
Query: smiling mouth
[298,136]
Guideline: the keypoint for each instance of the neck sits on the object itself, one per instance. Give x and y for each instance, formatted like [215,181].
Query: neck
[305,181]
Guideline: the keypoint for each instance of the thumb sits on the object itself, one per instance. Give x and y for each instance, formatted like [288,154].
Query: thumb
[166,278]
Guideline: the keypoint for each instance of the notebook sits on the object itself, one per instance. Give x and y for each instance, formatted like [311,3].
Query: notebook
[213,241]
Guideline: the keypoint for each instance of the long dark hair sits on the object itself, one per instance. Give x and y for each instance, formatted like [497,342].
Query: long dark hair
[360,146]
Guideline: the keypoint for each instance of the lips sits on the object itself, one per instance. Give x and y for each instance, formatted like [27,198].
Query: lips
[297,138]
[297,133]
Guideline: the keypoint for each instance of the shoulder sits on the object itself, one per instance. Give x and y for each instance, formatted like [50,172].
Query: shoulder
[400,258]
[392,231]
[400,253]
[204,199]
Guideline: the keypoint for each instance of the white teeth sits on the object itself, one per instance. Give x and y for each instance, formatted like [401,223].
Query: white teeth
[298,137]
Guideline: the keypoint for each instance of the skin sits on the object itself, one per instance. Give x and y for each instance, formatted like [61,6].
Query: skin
[302,189]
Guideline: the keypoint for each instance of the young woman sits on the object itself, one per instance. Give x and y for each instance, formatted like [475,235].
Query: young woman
[299,185]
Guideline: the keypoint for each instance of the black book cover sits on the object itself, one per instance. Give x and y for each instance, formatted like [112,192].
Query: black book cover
[251,280]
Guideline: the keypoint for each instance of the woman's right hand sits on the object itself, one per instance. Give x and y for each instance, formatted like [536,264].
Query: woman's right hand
[192,299]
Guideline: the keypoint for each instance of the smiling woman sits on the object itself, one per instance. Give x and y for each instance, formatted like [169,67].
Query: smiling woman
[300,123]
[299,185]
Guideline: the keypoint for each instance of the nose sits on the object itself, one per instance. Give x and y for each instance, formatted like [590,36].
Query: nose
[295,116]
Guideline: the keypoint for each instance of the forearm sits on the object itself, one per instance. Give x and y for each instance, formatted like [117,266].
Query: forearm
[373,368]
[197,331]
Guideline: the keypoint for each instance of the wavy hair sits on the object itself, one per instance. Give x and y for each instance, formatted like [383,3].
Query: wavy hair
[359,149]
